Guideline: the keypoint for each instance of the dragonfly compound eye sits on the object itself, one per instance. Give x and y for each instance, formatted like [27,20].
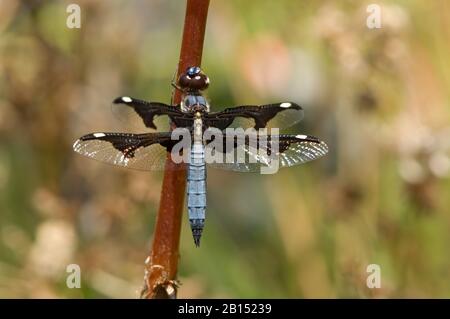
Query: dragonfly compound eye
[193,80]
[193,71]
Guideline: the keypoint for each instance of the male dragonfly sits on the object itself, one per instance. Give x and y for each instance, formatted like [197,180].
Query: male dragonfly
[148,151]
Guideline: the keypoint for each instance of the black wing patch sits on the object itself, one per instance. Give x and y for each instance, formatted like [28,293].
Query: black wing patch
[285,115]
[148,110]
[252,153]
[138,151]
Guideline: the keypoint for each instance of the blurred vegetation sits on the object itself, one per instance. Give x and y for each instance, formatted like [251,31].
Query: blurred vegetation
[379,97]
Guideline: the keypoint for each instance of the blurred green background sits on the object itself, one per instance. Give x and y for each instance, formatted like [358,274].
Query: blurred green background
[379,97]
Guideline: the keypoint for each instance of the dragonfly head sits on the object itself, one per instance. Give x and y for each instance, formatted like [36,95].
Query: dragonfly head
[193,79]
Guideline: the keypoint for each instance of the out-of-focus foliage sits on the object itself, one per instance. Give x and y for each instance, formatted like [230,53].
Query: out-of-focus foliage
[379,97]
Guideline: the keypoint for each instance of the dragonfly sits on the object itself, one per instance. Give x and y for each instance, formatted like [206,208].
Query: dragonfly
[149,151]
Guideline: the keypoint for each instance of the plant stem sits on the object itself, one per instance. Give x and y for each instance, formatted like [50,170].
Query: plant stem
[162,264]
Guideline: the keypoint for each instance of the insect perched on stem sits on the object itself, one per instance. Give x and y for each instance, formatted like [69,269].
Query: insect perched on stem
[205,138]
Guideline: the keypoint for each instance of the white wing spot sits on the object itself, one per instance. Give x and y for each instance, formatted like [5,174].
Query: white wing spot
[286,104]
[99,134]
[197,77]
[127,99]
[300,136]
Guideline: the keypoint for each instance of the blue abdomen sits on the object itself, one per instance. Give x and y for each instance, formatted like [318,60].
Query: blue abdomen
[196,190]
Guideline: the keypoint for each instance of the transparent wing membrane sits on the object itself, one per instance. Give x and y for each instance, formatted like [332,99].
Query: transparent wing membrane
[291,150]
[137,151]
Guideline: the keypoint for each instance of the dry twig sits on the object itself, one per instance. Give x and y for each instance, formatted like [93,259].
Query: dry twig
[162,264]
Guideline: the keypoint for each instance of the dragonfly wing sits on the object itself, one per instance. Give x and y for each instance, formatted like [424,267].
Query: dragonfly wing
[137,151]
[279,115]
[124,105]
[255,152]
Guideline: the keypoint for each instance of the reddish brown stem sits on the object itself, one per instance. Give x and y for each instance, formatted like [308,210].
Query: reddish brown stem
[162,264]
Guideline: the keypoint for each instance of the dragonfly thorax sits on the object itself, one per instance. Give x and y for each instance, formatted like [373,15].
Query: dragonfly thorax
[194,103]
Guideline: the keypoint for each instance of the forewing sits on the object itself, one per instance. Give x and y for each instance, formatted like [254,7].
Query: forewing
[131,121]
[278,115]
[124,106]
[137,151]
